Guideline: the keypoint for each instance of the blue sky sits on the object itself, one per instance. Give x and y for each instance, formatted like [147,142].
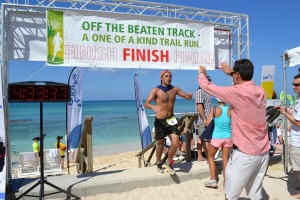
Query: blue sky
[273,25]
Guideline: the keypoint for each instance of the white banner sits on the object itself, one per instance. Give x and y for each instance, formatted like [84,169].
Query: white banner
[268,73]
[294,57]
[22,26]
[91,39]
[267,79]
[145,133]
[74,112]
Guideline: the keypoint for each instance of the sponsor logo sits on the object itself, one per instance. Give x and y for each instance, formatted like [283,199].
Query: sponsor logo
[268,77]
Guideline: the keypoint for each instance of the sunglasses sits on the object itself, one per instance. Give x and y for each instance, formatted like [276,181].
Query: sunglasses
[296,84]
[231,74]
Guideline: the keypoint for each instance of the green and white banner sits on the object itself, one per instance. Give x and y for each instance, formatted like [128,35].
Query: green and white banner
[55,35]
[89,39]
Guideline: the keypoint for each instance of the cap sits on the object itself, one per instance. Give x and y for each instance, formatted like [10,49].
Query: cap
[164,71]
[36,138]
[59,137]
[219,100]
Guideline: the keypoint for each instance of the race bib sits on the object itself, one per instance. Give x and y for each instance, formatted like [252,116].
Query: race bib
[172,121]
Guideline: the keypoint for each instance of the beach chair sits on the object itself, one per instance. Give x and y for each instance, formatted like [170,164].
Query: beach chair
[29,165]
[52,164]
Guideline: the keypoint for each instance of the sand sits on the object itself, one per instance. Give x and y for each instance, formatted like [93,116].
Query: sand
[277,185]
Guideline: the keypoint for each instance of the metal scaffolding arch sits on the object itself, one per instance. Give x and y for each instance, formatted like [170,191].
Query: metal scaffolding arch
[236,23]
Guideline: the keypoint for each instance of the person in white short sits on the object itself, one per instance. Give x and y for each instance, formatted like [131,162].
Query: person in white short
[294,118]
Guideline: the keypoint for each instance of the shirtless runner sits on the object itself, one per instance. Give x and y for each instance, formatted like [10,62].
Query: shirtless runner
[165,122]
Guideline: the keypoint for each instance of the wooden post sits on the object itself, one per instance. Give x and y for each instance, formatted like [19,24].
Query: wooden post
[84,156]
[139,162]
[150,156]
[89,148]
[188,122]
[188,146]
[141,155]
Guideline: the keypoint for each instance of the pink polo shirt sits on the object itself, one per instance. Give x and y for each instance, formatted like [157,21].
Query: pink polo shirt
[248,114]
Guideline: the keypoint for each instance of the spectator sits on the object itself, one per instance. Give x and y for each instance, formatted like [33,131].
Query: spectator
[36,146]
[183,141]
[221,138]
[294,118]
[248,163]
[203,108]
[62,147]
[274,95]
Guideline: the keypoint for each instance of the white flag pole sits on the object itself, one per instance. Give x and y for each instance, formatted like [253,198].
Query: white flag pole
[285,154]
[144,128]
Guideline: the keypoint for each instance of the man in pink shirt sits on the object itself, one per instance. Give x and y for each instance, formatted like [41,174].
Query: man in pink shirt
[249,161]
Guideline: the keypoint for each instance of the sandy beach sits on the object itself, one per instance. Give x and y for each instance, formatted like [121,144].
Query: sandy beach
[277,185]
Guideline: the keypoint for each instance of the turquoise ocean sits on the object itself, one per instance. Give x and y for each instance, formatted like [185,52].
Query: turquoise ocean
[114,122]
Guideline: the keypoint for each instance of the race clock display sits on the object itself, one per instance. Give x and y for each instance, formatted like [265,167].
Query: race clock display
[35,91]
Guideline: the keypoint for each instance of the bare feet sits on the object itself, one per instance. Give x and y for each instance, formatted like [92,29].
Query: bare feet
[201,159]
[297,196]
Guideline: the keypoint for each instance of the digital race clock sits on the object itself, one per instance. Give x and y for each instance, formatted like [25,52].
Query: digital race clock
[38,91]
